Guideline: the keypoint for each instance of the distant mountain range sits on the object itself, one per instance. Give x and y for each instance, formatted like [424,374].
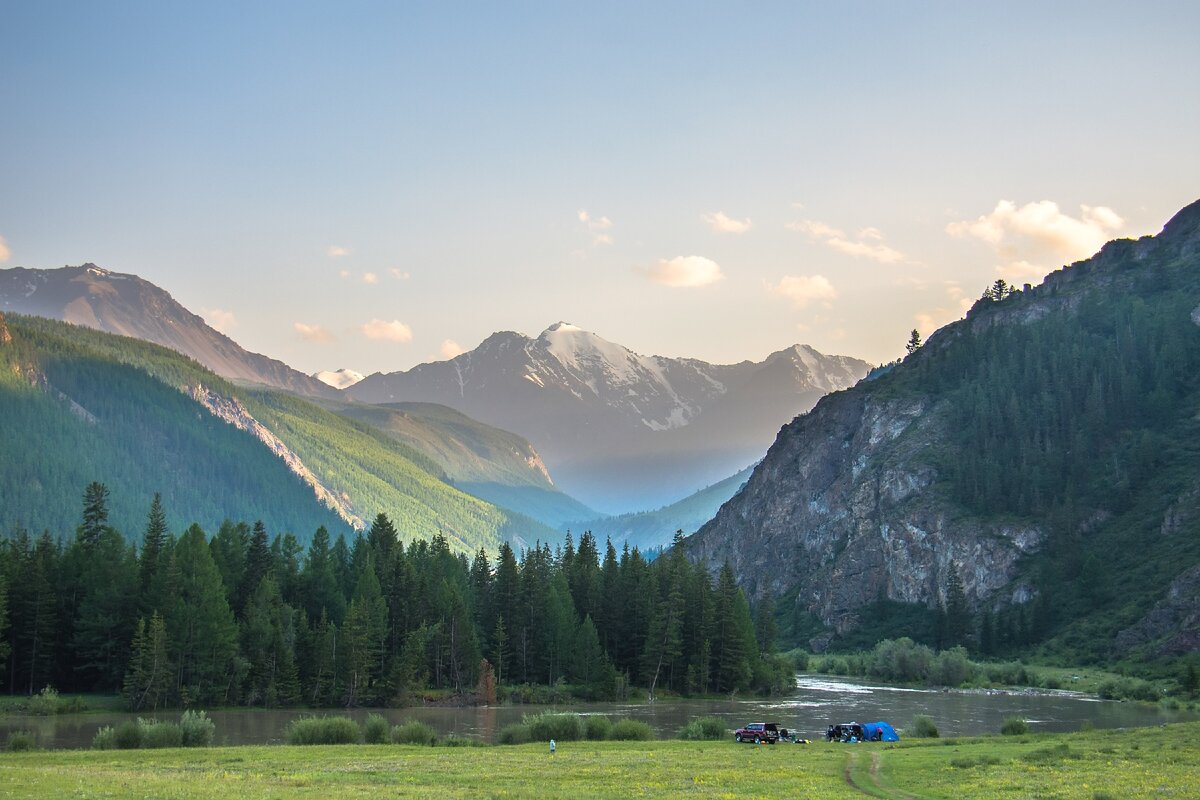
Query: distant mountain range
[1037,460]
[618,429]
[127,305]
[78,405]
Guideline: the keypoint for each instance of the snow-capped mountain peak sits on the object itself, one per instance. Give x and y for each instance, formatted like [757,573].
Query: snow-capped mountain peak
[339,379]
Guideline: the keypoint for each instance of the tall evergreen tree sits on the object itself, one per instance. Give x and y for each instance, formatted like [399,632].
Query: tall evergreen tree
[200,625]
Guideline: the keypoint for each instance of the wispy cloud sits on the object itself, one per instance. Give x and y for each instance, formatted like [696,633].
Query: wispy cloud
[450,349]
[393,331]
[222,320]
[720,223]
[1032,239]
[803,290]
[313,333]
[337,251]
[370,277]
[868,243]
[596,226]
[399,275]
[685,272]
[5,253]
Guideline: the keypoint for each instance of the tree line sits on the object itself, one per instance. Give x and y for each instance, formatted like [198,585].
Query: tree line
[242,618]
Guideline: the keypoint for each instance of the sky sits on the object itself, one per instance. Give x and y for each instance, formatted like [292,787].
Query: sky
[372,186]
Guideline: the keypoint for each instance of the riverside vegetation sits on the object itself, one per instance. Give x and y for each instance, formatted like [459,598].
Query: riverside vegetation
[1089,765]
[244,619]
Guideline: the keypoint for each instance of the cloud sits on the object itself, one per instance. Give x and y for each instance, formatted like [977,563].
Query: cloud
[685,271]
[370,277]
[805,289]
[876,252]
[867,244]
[224,321]
[343,274]
[5,253]
[596,227]
[399,275]
[1034,238]
[394,331]
[337,251]
[815,230]
[723,224]
[313,333]
[450,349]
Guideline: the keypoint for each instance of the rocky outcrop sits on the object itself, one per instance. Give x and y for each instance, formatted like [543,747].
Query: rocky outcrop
[231,410]
[1172,627]
[844,508]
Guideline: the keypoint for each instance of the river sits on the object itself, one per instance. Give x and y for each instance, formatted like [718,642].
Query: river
[818,701]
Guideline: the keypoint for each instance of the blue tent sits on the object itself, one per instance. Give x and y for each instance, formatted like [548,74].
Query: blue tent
[879,732]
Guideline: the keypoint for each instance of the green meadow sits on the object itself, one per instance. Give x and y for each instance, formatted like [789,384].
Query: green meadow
[1159,762]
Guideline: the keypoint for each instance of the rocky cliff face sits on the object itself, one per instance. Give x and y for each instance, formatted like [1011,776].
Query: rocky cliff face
[843,507]
[848,505]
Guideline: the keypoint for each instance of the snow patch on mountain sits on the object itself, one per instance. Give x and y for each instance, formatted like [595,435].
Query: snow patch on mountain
[339,379]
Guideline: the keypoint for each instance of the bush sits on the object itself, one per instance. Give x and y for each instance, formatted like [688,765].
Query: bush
[159,734]
[376,729]
[105,738]
[922,728]
[549,725]
[952,667]
[414,732]
[1014,726]
[704,729]
[514,734]
[128,735]
[597,727]
[196,729]
[630,730]
[323,730]
[461,741]
[44,703]
[21,741]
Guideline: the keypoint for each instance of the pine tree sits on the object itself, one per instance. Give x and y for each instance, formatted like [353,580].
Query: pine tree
[914,342]
[500,647]
[259,564]
[201,628]
[5,647]
[732,624]
[148,677]
[958,613]
[95,513]
[153,541]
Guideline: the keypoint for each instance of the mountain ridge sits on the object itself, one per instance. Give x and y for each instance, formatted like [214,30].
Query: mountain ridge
[619,429]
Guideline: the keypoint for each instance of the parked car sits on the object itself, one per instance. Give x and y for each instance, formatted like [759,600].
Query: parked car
[758,732]
[845,732]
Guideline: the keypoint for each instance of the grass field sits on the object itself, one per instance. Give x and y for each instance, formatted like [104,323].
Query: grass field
[1159,762]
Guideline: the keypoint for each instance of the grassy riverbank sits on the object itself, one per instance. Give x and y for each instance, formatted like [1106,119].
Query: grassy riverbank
[1091,765]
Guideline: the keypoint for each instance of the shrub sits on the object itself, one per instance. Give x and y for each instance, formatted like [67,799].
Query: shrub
[597,727]
[704,729]
[800,660]
[159,734]
[462,741]
[922,728]
[1014,726]
[630,730]
[44,703]
[21,741]
[375,729]
[105,738]
[414,732]
[549,725]
[196,729]
[952,667]
[514,734]
[128,735]
[323,730]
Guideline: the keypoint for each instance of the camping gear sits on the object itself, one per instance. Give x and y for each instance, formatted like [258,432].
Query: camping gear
[879,732]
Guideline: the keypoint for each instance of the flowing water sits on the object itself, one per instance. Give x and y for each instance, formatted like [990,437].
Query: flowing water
[817,702]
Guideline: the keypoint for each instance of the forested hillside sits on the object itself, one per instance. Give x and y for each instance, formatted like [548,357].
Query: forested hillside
[1037,464]
[248,619]
[81,405]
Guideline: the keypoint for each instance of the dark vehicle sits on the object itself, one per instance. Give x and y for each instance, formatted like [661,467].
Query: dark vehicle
[844,732]
[758,732]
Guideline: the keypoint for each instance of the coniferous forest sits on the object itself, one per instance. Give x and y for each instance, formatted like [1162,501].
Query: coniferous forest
[244,618]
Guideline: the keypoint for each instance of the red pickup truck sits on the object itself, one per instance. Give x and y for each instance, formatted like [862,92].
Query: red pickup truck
[758,732]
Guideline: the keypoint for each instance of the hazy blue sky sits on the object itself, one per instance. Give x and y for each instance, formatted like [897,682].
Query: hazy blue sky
[367,185]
